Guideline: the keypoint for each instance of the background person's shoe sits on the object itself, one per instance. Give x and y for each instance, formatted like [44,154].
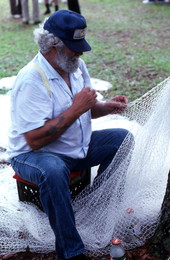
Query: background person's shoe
[16,16]
[148,1]
[37,22]
[25,22]
[47,12]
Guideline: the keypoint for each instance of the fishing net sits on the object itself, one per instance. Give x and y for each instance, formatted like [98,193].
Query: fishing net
[125,201]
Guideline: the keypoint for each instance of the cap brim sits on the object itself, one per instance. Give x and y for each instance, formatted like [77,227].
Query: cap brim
[78,45]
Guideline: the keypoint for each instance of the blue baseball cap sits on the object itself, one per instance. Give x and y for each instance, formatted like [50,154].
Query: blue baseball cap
[70,27]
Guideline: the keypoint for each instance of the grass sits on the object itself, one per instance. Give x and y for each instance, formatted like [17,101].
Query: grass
[130,43]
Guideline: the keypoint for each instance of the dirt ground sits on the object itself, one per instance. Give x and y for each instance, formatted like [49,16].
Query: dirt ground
[136,254]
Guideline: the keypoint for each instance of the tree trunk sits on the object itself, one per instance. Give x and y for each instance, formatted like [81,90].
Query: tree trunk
[160,242]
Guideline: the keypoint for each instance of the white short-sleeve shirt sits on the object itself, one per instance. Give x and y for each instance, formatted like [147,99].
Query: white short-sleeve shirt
[32,106]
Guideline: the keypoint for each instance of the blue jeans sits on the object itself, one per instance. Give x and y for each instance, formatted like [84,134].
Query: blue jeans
[51,171]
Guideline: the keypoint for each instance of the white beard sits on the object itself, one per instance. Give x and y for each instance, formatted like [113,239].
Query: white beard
[67,64]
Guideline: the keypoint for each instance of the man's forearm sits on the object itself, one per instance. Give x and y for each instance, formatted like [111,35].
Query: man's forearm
[51,130]
[99,110]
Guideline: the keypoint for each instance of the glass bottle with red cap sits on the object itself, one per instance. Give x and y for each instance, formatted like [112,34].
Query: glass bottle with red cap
[117,251]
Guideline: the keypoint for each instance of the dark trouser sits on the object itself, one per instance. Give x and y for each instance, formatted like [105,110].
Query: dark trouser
[15,6]
[74,6]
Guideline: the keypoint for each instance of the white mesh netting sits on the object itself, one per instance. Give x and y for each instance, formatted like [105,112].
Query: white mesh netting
[125,201]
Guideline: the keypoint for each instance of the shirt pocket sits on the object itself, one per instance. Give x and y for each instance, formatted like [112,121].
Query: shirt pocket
[60,106]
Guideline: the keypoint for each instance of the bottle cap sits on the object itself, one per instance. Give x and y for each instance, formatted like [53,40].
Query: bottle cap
[116,241]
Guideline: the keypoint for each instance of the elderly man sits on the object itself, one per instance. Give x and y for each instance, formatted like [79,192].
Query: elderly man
[52,106]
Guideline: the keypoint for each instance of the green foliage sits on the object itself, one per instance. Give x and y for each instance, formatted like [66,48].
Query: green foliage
[130,43]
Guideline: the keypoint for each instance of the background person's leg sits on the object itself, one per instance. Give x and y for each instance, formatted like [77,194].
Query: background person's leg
[47,5]
[73,5]
[19,8]
[13,6]
[56,5]
[25,12]
[35,12]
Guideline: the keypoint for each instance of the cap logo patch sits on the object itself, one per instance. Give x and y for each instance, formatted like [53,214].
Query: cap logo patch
[79,34]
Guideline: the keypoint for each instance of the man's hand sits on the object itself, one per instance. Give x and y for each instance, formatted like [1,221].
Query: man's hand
[121,99]
[117,105]
[85,100]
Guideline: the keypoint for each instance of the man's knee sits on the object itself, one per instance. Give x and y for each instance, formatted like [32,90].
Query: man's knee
[116,136]
[56,170]
[125,137]
[39,166]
